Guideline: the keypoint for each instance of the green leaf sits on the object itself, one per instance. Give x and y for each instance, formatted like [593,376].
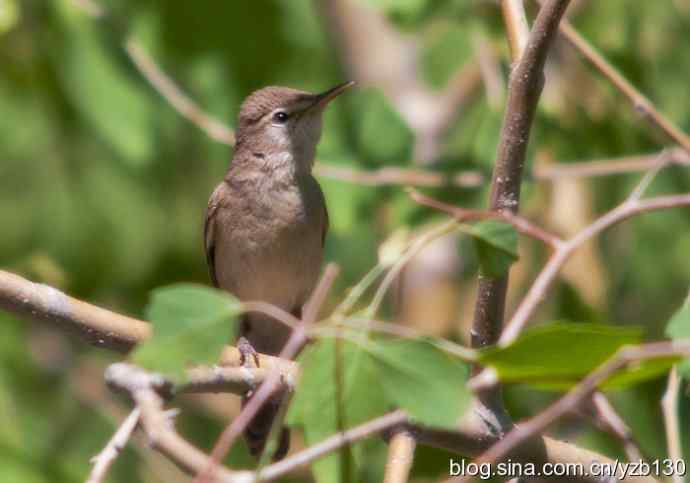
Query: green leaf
[314,407]
[556,356]
[496,243]
[382,133]
[191,324]
[423,380]
[679,328]
[105,95]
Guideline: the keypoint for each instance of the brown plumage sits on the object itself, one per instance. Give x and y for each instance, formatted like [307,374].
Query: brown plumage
[266,222]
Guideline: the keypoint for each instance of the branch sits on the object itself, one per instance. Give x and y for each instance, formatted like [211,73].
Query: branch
[143,387]
[97,326]
[524,90]
[523,225]
[628,164]
[517,28]
[103,460]
[538,291]
[400,457]
[608,415]
[110,330]
[332,443]
[400,176]
[669,407]
[537,424]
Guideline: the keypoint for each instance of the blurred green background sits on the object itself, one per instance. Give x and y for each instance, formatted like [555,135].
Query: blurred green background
[103,187]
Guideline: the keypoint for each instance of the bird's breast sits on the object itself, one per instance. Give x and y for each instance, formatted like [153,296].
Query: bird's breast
[269,245]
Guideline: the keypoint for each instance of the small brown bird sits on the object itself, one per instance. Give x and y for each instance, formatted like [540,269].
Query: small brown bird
[266,223]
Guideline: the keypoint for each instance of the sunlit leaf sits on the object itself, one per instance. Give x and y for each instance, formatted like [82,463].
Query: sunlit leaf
[558,355]
[314,407]
[191,324]
[425,381]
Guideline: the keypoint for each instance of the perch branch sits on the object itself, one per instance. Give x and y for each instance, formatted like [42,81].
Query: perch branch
[144,389]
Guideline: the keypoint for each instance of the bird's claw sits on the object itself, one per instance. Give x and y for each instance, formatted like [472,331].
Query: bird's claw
[247,353]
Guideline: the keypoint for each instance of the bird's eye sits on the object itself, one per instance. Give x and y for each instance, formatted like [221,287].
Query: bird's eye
[280,117]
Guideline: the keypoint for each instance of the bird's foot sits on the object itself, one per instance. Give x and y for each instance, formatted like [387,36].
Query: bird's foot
[247,353]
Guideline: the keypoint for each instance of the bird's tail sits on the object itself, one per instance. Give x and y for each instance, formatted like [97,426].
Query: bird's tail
[258,430]
[267,336]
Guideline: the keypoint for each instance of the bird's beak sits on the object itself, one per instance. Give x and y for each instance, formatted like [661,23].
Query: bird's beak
[322,100]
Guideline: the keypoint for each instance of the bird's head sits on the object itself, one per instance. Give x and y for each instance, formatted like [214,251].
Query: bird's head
[282,125]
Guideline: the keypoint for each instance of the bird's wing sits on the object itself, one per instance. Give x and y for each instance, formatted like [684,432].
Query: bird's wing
[209,233]
[325,220]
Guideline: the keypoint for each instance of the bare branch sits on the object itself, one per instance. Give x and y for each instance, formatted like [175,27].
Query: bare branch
[176,98]
[143,387]
[539,288]
[400,176]
[97,326]
[103,460]
[517,28]
[628,164]
[523,225]
[669,406]
[400,457]
[610,417]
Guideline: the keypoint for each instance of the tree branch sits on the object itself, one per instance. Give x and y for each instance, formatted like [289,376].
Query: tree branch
[538,291]
[400,457]
[669,407]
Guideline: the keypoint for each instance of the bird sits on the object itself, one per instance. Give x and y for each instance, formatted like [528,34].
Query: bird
[266,225]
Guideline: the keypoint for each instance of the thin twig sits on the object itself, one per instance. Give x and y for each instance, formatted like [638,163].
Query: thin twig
[662,161]
[103,460]
[183,104]
[610,417]
[605,167]
[539,288]
[523,225]
[331,444]
[517,28]
[669,406]
[526,82]
[400,176]
[400,457]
